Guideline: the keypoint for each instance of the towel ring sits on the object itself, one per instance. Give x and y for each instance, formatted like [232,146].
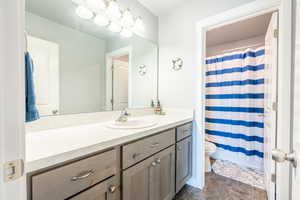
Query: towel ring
[142,70]
[177,64]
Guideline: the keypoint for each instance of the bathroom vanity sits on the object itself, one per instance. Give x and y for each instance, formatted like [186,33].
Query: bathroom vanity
[151,163]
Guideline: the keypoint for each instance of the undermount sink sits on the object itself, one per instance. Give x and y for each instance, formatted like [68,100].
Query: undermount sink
[133,123]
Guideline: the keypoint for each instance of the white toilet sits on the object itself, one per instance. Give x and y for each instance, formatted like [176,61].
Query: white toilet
[210,148]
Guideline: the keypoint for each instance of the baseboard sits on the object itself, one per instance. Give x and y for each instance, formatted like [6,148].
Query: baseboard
[193,182]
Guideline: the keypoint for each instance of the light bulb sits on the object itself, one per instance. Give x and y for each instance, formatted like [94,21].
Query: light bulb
[101,20]
[113,10]
[126,33]
[113,27]
[95,5]
[139,25]
[84,12]
[127,19]
[78,2]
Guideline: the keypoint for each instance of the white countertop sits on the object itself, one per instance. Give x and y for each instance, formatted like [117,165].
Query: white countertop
[50,147]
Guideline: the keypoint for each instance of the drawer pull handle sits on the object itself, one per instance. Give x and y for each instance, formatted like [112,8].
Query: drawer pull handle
[154,145]
[112,189]
[135,155]
[83,175]
[153,164]
[179,148]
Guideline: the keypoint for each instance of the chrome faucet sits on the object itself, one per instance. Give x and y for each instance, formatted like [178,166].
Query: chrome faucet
[123,116]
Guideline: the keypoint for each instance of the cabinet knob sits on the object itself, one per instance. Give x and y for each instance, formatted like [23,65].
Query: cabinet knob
[153,164]
[158,160]
[112,189]
[54,112]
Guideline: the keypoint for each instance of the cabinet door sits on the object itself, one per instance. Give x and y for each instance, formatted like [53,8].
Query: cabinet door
[106,190]
[165,174]
[183,162]
[138,181]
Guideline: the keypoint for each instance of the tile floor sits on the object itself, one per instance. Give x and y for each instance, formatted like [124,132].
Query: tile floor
[221,188]
[242,174]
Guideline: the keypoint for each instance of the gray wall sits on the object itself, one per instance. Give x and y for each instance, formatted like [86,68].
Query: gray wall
[82,69]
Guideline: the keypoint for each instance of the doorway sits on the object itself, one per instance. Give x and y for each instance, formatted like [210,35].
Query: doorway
[118,79]
[120,82]
[240,98]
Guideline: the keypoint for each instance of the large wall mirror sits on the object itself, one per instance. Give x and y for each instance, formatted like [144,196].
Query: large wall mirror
[81,66]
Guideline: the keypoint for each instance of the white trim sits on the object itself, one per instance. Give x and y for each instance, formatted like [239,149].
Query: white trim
[283,170]
[109,56]
[243,12]
[12,94]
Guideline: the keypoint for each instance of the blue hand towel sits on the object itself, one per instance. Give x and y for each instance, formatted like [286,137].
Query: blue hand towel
[32,112]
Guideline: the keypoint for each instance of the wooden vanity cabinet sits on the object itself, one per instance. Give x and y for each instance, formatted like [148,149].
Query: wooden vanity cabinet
[138,181]
[183,162]
[151,168]
[183,155]
[151,179]
[165,174]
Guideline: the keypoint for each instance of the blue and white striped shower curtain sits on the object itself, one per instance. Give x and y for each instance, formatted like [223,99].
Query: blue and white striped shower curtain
[235,106]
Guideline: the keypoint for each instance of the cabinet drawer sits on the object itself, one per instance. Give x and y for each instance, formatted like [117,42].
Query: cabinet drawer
[65,181]
[137,151]
[106,190]
[184,131]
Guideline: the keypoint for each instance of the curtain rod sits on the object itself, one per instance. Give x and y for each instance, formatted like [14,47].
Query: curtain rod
[244,47]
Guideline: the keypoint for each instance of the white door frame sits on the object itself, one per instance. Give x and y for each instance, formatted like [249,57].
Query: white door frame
[109,60]
[12,94]
[284,79]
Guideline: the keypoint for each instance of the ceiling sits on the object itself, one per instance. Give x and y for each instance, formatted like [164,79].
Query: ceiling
[253,27]
[159,7]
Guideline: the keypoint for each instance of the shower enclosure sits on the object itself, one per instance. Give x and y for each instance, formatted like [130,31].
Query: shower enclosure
[235,106]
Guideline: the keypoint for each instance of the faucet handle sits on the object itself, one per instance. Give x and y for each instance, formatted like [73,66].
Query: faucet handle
[125,112]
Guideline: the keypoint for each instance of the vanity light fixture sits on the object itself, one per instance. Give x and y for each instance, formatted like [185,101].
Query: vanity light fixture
[114,27]
[113,10]
[107,13]
[139,25]
[84,12]
[96,5]
[101,20]
[126,33]
[127,19]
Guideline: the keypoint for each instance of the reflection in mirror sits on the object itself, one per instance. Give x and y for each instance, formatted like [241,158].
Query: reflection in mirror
[82,67]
